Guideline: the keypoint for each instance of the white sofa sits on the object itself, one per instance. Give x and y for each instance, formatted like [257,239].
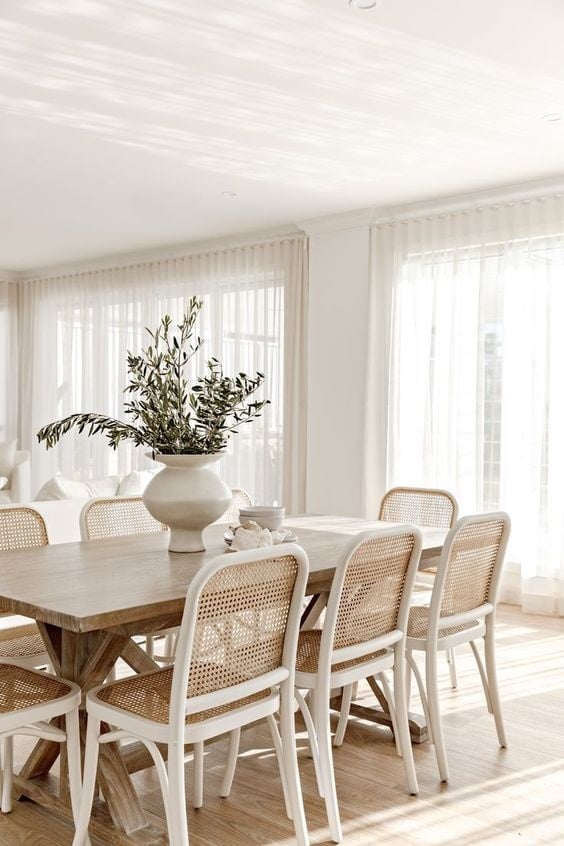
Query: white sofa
[62,488]
[15,466]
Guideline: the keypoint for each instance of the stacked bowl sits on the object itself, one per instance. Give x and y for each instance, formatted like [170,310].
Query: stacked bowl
[268,516]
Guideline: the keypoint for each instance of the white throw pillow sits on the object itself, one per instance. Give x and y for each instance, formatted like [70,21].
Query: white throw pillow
[134,483]
[7,457]
[3,482]
[106,487]
[59,487]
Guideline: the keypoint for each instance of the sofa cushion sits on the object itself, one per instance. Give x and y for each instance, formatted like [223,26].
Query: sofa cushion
[59,487]
[108,486]
[134,483]
[7,457]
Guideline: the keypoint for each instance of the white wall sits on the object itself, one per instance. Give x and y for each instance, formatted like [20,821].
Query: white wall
[338,349]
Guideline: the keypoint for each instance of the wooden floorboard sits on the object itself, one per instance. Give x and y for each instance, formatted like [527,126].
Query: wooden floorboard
[495,797]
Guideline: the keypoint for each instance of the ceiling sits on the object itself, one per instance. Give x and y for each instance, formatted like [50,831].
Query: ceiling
[122,122]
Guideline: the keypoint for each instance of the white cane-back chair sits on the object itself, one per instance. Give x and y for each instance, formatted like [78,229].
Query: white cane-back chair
[234,665]
[432,507]
[28,701]
[114,517]
[363,635]
[21,528]
[421,506]
[462,610]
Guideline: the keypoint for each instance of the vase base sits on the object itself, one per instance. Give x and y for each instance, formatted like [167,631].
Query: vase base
[186,540]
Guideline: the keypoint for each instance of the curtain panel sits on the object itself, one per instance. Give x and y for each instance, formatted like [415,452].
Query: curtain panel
[9,385]
[473,373]
[76,330]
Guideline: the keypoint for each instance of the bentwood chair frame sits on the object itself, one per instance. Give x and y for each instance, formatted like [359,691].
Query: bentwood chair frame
[363,635]
[462,610]
[22,527]
[28,701]
[434,507]
[229,672]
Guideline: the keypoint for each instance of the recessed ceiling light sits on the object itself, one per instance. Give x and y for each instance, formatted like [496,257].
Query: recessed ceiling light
[552,117]
[364,4]
[230,194]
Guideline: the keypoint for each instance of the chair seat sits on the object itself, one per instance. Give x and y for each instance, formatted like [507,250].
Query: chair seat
[307,659]
[21,688]
[148,696]
[21,642]
[419,619]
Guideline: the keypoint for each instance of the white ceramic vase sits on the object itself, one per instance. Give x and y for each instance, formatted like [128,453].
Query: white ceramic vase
[187,496]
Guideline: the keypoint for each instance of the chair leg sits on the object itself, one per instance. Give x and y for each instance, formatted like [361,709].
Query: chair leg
[483,675]
[452,668]
[346,700]
[326,768]
[88,781]
[73,761]
[277,743]
[150,645]
[177,820]
[410,660]
[233,751]
[170,647]
[391,708]
[434,709]
[198,775]
[402,721]
[312,737]
[290,757]
[491,669]
[7,756]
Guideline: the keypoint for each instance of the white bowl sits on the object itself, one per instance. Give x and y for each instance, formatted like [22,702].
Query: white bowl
[269,517]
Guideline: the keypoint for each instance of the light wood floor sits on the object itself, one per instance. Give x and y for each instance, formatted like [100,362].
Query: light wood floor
[494,796]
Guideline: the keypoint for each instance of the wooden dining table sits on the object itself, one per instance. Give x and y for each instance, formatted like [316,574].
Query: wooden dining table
[90,598]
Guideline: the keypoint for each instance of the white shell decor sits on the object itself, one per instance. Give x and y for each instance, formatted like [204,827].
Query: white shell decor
[187,496]
[252,536]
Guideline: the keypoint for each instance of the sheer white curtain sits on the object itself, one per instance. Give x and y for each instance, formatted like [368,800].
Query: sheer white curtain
[76,330]
[476,378]
[9,389]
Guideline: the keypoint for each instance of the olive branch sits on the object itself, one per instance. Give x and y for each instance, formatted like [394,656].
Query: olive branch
[165,413]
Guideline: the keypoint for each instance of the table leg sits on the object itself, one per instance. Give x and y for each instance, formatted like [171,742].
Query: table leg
[417,726]
[313,610]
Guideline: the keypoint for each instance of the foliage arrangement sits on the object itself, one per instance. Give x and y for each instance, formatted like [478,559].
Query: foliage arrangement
[166,414]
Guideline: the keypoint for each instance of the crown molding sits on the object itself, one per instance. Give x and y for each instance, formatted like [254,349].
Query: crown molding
[11,276]
[503,195]
[334,222]
[164,253]
[512,193]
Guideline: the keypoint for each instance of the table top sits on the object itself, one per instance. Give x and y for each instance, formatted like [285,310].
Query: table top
[102,584]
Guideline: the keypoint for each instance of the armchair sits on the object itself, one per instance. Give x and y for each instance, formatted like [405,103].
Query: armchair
[18,488]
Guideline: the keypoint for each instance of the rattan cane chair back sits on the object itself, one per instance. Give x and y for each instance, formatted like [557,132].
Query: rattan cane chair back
[117,517]
[241,499]
[421,506]
[471,566]
[241,623]
[21,528]
[372,589]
